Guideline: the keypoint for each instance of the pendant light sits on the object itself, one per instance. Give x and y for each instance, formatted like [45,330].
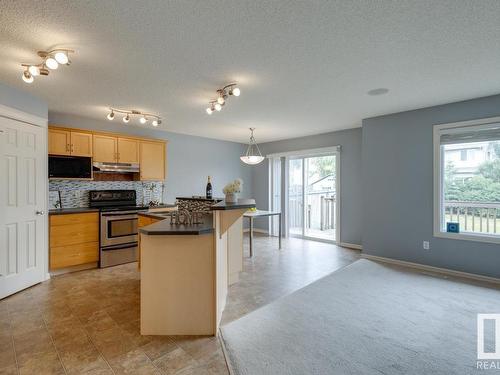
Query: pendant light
[253,155]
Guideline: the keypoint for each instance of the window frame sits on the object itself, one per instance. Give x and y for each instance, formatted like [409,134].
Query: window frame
[438,179]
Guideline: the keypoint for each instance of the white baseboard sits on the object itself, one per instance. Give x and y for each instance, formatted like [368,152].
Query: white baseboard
[423,267]
[351,245]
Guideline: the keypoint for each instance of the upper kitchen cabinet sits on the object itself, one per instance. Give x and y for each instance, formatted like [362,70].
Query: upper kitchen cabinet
[152,160]
[59,142]
[105,148]
[81,144]
[128,150]
[67,142]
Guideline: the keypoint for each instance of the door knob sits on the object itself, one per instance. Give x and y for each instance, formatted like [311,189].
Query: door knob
[40,213]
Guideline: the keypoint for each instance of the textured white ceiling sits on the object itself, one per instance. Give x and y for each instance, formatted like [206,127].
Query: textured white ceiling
[304,67]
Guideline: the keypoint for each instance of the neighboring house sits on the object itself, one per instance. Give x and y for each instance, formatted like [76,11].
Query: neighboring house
[468,157]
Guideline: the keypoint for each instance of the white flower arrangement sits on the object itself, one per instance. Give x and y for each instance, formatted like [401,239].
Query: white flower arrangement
[233,187]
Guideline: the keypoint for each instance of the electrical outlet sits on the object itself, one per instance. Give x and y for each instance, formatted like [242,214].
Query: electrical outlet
[425,245]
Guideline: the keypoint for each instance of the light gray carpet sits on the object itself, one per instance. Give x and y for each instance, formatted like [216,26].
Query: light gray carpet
[367,318]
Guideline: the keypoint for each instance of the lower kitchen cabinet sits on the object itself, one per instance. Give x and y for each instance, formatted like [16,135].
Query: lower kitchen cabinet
[74,239]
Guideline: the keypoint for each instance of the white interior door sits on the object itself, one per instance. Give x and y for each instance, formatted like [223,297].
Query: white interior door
[23,205]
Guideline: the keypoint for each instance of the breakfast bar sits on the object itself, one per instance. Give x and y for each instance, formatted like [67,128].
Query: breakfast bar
[186,270]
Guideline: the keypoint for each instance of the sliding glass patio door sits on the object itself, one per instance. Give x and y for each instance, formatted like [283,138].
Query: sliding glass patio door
[312,193]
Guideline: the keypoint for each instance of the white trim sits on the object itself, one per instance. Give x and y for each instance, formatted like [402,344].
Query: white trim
[16,114]
[438,221]
[305,153]
[351,245]
[424,267]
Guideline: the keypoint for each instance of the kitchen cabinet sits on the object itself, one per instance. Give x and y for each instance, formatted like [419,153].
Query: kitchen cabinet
[74,239]
[81,144]
[105,148]
[128,150]
[115,149]
[66,142]
[59,142]
[152,160]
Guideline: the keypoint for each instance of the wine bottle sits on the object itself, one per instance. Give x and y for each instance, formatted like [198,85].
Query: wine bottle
[209,189]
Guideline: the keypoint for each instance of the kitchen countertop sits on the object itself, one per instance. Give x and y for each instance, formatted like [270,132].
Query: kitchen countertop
[75,210]
[164,227]
[242,203]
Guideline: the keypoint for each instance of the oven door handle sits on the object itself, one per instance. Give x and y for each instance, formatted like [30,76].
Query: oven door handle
[120,246]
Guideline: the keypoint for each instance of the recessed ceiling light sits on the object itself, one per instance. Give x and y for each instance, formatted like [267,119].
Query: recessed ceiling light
[379,91]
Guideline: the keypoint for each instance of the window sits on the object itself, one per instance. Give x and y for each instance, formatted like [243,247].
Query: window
[467,188]
[463,155]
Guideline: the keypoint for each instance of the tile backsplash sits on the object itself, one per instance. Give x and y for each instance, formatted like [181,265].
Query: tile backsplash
[76,193]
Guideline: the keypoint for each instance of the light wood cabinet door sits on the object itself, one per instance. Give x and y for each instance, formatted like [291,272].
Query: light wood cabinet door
[59,142]
[128,150]
[73,255]
[81,144]
[105,148]
[152,161]
[74,239]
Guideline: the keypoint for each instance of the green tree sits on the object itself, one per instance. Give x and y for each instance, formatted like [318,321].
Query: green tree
[491,170]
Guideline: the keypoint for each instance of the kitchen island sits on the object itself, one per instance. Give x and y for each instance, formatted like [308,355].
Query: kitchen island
[186,270]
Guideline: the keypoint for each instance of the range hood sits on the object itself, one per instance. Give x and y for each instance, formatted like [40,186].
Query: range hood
[116,167]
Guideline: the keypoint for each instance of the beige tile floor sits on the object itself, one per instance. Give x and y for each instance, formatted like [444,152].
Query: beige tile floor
[88,322]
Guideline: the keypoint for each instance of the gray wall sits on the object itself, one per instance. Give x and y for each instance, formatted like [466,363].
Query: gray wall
[350,176]
[22,100]
[190,159]
[398,189]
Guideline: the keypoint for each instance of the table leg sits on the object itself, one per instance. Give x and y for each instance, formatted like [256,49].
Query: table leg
[251,237]
[279,230]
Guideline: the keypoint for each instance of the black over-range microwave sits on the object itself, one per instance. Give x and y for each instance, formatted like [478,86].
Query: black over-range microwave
[70,167]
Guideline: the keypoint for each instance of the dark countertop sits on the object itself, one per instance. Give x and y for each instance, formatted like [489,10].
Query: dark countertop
[196,198]
[77,210]
[165,228]
[242,203]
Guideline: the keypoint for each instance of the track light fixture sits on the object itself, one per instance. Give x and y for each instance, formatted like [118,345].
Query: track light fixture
[222,95]
[51,61]
[143,116]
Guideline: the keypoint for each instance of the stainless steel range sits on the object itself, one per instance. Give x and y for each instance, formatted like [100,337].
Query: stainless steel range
[118,225]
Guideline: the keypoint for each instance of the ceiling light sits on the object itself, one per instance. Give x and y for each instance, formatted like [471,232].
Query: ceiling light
[34,70]
[253,155]
[51,63]
[27,77]
[129,114]
[222,95]
[50,60]
[234,91]
[61,57]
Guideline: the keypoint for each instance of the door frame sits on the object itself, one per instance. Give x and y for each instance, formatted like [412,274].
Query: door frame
[42,122]
[322,151]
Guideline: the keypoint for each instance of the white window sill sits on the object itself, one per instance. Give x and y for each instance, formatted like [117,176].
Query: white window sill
[468,236]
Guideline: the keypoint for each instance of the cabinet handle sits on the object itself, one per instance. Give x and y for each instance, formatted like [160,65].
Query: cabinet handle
[72,148]
[67,147]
